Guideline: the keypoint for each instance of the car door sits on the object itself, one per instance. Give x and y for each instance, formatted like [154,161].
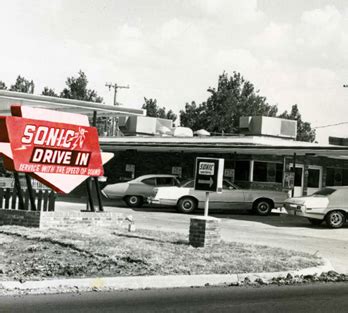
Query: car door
[229,198]
[143,187]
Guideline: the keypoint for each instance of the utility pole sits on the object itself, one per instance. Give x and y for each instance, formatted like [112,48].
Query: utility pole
[115,86]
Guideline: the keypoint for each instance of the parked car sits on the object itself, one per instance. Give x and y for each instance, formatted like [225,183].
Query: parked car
[187,200]
[329,204]
[136,191]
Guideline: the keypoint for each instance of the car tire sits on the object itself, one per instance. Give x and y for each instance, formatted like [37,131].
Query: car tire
[315,222]
[335,219]
[263,207]
[187,205]
[134,201]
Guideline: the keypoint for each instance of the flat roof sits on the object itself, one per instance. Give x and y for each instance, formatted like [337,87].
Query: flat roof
[229,144]
[7,98]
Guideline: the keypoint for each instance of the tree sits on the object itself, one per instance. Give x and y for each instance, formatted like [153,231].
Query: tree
[77,89]
[233,98]
[304,130]
[2,85]
[23,85]
[194,116]
[49,92]
[153,110]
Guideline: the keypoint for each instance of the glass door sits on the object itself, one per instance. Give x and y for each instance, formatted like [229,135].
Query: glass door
[299,178]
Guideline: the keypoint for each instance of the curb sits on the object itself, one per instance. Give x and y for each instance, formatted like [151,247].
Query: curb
[149,282]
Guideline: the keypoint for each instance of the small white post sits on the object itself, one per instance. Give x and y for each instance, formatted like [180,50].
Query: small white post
[206,204]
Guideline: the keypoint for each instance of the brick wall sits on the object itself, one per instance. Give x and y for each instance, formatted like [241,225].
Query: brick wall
[20,218]
[204,231]
[73,219]
[60,219]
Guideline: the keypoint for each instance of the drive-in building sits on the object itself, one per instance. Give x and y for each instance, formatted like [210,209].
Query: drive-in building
[262,156]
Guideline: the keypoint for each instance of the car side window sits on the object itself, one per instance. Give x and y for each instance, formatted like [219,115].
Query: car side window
[165,181]
[149,181]
[227,186]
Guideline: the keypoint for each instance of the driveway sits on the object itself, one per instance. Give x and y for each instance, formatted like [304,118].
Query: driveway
[278,231]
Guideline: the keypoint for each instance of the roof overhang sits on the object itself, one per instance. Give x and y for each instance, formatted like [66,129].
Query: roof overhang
[7,98]
[239,145]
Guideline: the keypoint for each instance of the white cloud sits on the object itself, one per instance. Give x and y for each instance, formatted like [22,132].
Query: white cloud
[274,36]
[320,28]
[234,11]
[328,17]
[239,60]
[173,29]
[127,32]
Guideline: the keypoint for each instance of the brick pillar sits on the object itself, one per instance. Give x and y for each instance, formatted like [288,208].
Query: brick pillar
[204,231]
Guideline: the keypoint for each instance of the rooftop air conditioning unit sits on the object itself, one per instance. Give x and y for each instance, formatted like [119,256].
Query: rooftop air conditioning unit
[268,126]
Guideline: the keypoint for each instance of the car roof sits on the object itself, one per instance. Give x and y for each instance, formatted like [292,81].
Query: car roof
[153,176]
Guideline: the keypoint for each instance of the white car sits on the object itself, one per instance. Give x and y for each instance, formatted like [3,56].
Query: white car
[329,204]
[136,191]
[187,200]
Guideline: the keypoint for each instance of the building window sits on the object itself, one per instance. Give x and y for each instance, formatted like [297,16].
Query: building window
[298,177]
[242,170]
[336,177]
[330,174]
[268,172]
[313,178]
[345,177]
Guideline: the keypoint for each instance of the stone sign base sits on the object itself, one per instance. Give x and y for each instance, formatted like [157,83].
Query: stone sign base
[204,231]
[45,220]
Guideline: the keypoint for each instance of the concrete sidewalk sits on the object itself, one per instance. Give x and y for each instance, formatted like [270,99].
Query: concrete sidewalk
[148,282]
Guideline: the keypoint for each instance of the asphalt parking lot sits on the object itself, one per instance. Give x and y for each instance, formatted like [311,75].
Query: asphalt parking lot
[275,230]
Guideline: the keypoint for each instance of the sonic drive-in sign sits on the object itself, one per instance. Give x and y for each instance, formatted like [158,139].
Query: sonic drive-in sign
[51,147]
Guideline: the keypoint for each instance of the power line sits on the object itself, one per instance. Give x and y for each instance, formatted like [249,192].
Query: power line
[115,86]
[330,125]
[337,124]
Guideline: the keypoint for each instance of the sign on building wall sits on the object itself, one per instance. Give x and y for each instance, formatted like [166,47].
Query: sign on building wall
[229,172]
[288,180]
[177,170]
[130,168]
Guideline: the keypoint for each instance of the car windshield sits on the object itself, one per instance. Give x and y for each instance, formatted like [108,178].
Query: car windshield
[324,192]
[187,183]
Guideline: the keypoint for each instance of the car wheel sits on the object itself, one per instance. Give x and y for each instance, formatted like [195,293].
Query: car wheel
[187,205]
[314,221]
[134,201]
[335,219]
[263,207]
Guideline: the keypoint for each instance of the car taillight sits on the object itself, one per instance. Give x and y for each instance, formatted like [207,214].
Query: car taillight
[300,208]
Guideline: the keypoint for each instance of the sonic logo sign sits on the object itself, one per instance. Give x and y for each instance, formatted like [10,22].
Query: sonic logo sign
[51,147]
[59,155]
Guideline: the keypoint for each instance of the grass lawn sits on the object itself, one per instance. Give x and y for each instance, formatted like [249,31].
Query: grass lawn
[30,254]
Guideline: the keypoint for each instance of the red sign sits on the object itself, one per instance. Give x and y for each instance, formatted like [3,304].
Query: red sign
[49,147]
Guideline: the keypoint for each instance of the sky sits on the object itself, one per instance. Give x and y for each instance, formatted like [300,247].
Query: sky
[294,52]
